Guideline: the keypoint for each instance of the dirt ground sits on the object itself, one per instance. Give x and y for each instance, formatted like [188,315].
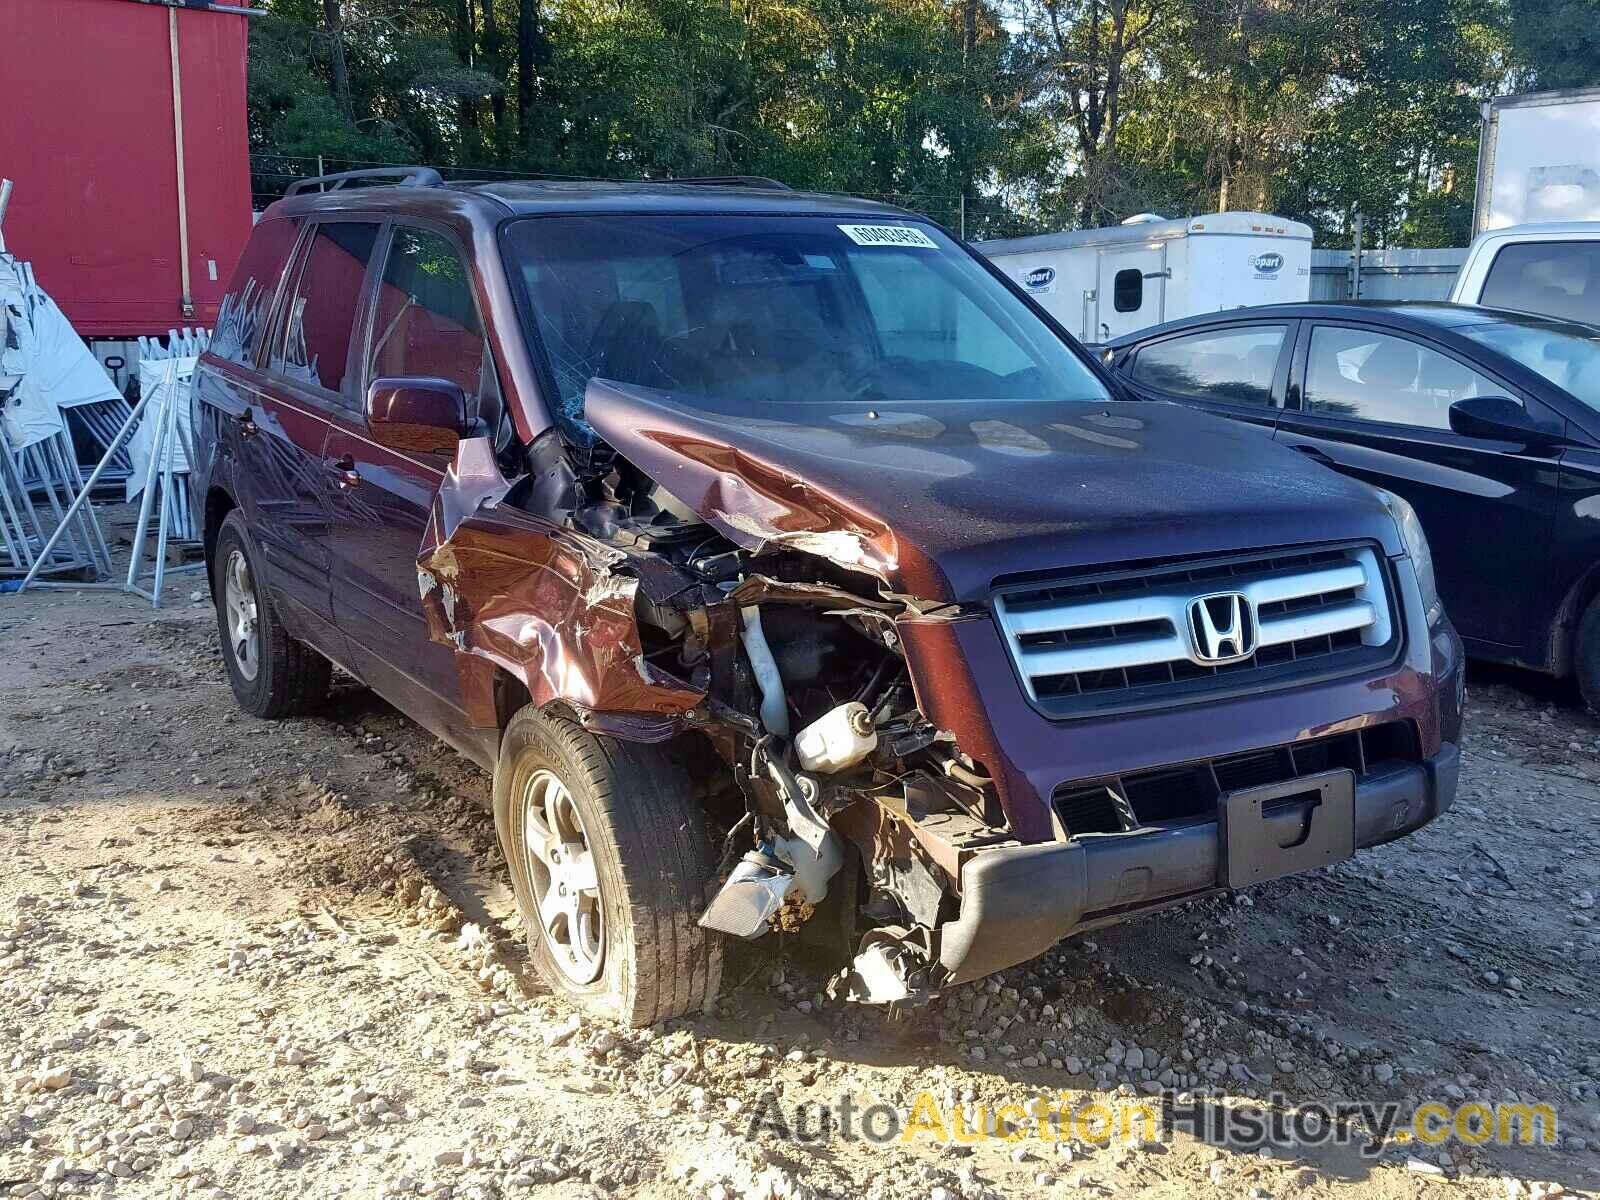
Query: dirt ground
[280,960]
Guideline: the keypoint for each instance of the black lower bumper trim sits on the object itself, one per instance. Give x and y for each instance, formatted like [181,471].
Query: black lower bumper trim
[1018,901]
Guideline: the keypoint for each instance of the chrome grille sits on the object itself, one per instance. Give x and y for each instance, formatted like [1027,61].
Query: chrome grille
[1128,637]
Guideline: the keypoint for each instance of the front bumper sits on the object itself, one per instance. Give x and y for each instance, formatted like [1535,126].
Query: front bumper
[1018,901]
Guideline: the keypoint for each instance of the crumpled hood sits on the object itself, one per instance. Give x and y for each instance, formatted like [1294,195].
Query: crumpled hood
[938,500]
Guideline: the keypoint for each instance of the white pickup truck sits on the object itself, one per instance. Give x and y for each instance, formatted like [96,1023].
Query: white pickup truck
[1551,268]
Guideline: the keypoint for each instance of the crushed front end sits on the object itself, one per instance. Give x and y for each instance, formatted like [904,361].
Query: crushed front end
[960,770]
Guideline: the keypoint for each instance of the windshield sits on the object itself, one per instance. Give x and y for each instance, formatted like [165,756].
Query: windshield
[764,310]
[1567,355]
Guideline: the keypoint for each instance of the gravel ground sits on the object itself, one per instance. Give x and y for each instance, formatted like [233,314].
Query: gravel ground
[280,960]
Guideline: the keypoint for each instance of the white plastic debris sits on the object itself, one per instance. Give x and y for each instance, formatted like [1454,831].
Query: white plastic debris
[837,740]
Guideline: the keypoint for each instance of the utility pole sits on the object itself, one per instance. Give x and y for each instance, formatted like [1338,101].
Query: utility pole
[1355,261]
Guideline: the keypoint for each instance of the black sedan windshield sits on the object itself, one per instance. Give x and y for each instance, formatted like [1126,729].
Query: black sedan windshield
[775,309]
[1567,355]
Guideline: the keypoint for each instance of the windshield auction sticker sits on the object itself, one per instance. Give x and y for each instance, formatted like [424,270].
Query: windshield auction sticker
[889,235]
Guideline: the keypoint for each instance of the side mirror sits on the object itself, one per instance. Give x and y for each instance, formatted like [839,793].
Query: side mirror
[1498,418]
[419,415]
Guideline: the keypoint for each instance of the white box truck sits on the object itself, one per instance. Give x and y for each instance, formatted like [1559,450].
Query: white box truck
[1103,283]
[1537,217]
[1539,159]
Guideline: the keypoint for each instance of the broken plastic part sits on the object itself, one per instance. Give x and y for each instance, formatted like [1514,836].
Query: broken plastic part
[754,893]
[774,704]
[813,866]
[876,977]
[891,968]
[793,879]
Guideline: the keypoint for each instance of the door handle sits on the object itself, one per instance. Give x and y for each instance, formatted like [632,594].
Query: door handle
[247,424]
[344,468]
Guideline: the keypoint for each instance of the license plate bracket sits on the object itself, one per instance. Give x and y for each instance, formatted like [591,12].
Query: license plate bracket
[1283,828]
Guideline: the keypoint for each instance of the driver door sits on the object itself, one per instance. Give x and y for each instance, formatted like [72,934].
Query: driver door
[1374,404]
[423,320]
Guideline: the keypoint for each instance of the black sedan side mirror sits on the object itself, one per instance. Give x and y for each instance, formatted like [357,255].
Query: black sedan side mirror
[1498,418]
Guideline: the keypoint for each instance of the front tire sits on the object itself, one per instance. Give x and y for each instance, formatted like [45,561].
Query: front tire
[609,860]
[272,674]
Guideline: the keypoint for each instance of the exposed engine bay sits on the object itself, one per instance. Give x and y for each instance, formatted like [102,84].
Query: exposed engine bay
[802,610]
[781,673]
[839,766]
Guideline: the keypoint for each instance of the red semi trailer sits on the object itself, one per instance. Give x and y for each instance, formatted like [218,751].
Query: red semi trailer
[128,145]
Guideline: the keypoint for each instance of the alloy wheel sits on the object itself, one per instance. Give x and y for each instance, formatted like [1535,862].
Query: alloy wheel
[242,611]
[561,871]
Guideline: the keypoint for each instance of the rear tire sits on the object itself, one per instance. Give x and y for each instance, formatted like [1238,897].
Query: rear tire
[615,825]
[1586,656]
[272,674]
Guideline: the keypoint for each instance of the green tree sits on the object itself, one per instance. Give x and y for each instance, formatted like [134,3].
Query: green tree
[1557,41]
[1000,116]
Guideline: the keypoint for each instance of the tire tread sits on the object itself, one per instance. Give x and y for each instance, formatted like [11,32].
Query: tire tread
[293,679]
[663,856]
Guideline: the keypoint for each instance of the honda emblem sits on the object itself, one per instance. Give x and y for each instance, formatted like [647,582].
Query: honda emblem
[1222,628]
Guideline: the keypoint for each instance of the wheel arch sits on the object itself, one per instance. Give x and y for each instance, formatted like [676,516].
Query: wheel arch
[219,503]
[1563,642]
[510,696]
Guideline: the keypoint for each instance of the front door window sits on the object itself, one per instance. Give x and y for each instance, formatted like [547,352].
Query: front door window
[1377,377]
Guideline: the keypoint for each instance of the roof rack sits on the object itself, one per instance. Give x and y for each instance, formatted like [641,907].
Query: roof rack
[403,176]
[749,181]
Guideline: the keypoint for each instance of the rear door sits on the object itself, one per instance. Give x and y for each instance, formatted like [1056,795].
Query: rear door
[423,321]
[228,386]
[1237,370]
[1374,403]
[306,378]
[1130,291]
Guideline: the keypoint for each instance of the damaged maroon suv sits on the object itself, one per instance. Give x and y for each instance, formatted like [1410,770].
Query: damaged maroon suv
[793,572]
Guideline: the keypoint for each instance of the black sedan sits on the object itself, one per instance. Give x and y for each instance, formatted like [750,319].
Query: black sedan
[1487,422]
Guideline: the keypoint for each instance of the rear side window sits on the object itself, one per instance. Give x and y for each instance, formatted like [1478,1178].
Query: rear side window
[1235,366]
[1555,279]
[1375,377]
[321,314]
[242,319]
[426,321]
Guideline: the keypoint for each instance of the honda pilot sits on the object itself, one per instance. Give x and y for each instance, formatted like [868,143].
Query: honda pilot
[793,572]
